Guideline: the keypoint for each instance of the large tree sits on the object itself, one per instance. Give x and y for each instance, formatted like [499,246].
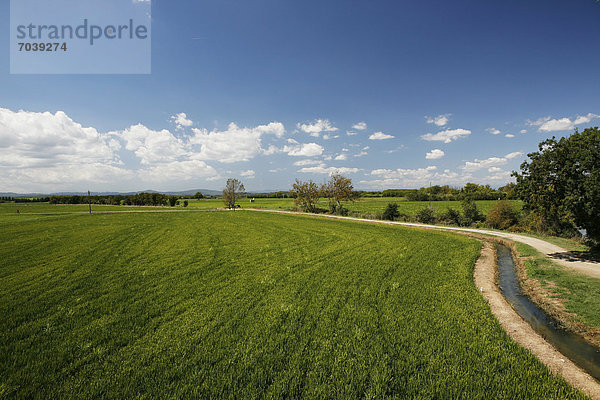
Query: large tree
[306,195]
[561,183]
[233,191]
[338,190]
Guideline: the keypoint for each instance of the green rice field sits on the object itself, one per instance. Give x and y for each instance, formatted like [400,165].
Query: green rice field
[237,305]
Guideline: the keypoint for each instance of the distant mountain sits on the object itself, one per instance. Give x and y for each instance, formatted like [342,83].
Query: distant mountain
[205,192]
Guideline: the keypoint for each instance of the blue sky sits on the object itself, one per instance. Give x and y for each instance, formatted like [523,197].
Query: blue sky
[394,94]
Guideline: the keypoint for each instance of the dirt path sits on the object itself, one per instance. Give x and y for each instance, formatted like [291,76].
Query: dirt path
[556,253]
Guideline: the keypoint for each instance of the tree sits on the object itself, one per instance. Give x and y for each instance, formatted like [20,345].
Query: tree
[232,192]
[391,212]
[337,190]
[172,201]
[561,183]
[471,214]
[306,195]
[198,196]
[502,215]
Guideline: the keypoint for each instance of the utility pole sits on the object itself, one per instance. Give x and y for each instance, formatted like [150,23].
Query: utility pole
[89,201]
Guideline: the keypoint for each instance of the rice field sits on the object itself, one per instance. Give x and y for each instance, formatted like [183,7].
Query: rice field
[248,305]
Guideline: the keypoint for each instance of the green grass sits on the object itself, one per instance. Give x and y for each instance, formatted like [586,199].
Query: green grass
[248,305]
[580,292]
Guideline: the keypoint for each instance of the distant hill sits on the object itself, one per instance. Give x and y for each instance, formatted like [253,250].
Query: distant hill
[205,192]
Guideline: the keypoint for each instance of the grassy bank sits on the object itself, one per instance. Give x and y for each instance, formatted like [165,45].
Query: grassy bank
[571,297]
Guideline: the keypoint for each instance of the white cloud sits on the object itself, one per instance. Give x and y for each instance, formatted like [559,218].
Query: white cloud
[447,136]
[328,136]
[152,146]
[548,124]
[234,144]
[514,154]
[361,154]
[351,133]
[302,163]
[360,126]
[31,139]
[400,178]
[304,150]
[523,130]
[181,120]
[380,136]
[440,120]
[178,170]
[250,174]
[509,135]
[435,154]
[341,157]
[490,162]
[315,129]
[493,131]
[323,169]
[45,151]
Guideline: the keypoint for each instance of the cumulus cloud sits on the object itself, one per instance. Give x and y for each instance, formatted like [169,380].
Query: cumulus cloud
[417,177]
[248,174]
[152,146]
[181,120]
[341,157]
[41,150]
[493,131]
[360,126]
[304,150]
[549,124]
[323,169]
[490,162]
[233,144]
[435,154]
[440,120]
[315,128]
[509,135]
[523,130]
[178,170]
[380,136]
[306,162]
[328,136]
[31,139]
[446,136]
[351,133]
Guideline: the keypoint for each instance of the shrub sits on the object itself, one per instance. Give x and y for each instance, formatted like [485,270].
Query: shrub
[185,203]
[391,212]
[426,216]
[471,214]
[502,215]
[451,216]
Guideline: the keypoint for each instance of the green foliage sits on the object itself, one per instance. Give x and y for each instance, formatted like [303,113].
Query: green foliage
[426,216]
[337,190]
[451,217]
[172,201]
[253,305]
[185,203]
[471,213]
[502,216]
[561,183]
[306,195]
[234,189]
[391,212]
[198,195]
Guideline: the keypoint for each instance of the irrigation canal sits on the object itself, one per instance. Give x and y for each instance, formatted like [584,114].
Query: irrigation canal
[573,346]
